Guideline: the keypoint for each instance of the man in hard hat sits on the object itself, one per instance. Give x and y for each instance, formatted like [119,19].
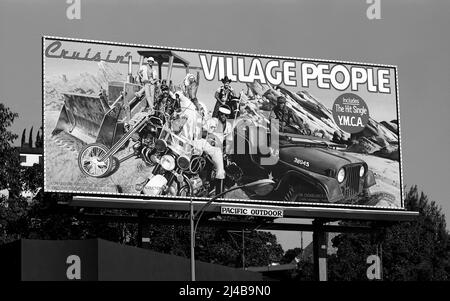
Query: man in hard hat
[148,77]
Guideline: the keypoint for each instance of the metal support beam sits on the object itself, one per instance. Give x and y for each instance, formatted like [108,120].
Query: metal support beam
[231,225]
[139,232]
[159,70]
[380,217]
[325,212]
[320,244]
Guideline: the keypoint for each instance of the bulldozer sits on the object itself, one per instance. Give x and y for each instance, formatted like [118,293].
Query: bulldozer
[103,118]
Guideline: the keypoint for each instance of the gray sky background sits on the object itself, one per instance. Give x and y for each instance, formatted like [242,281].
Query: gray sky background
[412,34]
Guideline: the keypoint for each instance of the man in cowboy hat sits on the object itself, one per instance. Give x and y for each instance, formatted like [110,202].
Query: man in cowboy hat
[148,77]
[289,121]
[223,95]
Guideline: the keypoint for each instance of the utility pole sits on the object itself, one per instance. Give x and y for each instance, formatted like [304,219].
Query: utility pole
[139,230]
[242,233]
[192,226]
[195,218]
[301,240]
[243,250]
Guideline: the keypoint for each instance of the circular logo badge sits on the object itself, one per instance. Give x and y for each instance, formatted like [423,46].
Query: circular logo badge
[350,113]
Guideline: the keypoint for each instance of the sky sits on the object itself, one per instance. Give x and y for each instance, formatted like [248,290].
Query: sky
[411,34]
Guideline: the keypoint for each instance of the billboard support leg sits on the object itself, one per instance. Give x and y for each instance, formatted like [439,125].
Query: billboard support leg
[191,217]
[320,244]
[139,230]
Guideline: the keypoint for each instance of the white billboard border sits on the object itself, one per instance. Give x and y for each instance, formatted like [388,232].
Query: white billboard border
[243,201]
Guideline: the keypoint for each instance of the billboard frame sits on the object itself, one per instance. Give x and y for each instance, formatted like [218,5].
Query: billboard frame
[311,212]
[186,200]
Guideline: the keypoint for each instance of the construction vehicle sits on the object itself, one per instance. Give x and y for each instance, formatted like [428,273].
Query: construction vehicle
[102,119]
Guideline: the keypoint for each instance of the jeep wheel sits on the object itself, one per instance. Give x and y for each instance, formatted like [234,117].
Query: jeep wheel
[292,193]
[301,193]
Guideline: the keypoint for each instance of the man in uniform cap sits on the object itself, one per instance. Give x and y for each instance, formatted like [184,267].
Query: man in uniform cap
[148,77]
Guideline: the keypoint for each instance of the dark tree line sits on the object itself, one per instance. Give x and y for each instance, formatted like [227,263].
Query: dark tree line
[409,251]
[38,141]
[417,250]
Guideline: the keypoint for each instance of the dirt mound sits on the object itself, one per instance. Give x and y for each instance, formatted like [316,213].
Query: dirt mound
[84,83]
[378,138]
[392,126]
[389,152]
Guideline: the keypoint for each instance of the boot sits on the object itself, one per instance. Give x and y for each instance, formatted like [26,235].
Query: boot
[219,186]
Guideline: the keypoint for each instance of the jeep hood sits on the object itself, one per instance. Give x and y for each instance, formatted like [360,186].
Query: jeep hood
[316,159]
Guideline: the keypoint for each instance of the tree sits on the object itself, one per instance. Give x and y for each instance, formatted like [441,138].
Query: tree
[9,157]
[39,139]
[30,138]
[291,254]
[217,246]
[42,218]
[22,143]
[10,211]
[417,250]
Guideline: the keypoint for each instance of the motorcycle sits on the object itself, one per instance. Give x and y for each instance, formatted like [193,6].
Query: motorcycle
[176,162]
[182,167]
[98,161]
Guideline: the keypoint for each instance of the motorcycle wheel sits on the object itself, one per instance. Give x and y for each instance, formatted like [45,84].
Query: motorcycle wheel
[184,191]
[88,160]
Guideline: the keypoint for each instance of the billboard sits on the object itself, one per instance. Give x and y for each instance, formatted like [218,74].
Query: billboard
[174,123]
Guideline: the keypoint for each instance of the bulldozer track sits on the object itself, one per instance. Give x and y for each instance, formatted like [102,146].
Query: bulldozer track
[68,142]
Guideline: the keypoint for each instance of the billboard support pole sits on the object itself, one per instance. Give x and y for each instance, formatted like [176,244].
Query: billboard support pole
[139,234]
[191,217]
[195,218]
[320,245]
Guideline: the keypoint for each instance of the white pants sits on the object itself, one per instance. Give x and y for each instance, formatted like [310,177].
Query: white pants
[149,91]
[215,153]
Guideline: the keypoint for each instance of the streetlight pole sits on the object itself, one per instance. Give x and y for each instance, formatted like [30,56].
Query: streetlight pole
[195,218]
[192,241]
[194,225]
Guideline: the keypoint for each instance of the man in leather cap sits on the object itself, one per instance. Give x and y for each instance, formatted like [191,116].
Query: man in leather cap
[166,103]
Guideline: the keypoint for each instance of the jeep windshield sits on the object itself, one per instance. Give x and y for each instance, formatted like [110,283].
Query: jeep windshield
[308,141]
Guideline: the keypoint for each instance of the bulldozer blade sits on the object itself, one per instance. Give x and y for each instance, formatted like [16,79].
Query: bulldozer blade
[90,118]
[81,116]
